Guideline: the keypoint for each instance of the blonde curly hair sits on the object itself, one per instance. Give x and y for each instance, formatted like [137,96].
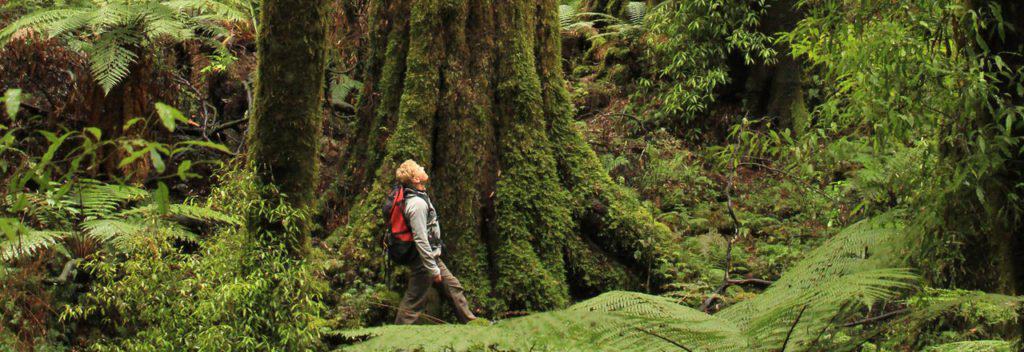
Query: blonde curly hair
[407,171]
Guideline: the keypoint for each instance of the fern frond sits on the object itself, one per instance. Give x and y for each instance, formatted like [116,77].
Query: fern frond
[203,214]
[111,230]
[121,233]
[103,200]
[233,11]
[39,21]
[161,21]
[567,15]
[635,12]
[851,270]
[187,211]
[29,242]
[614,321]
[973,346]
[109,59]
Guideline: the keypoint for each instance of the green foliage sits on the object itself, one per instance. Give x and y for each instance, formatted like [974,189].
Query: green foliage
[850,271]
[114,34]
[230,294]
[921,74]
[107,214]
[687,47]
[973,346]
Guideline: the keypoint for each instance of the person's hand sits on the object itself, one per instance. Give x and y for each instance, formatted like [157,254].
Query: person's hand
[437,279]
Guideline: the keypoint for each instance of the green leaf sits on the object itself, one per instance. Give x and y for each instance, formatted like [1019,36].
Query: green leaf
[128,124]
[158,161]
[183,169]
[12,100]
[95,132]
[133,156]
[169,116]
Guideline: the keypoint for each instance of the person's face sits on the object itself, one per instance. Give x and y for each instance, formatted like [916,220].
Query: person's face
[421,176]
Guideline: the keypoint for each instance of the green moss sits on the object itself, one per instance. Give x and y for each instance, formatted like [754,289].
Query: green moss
[284,134]
[485,109]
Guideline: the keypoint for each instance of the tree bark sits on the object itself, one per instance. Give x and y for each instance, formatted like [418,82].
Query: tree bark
[129,99]
[473,89]
[284,133]
[776,90]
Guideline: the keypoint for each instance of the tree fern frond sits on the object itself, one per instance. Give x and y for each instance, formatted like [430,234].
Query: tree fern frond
[109,60]
[614,321]
[567,15]
[68,24]
[973,346]
[977,308]
[161,21]
[635,12]
[234,11]
[29,242]
[38,20]
[852,269]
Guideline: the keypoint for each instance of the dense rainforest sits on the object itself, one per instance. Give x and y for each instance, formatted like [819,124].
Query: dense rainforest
[659,175]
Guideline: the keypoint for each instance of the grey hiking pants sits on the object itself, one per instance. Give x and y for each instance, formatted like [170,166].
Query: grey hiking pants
[415,299]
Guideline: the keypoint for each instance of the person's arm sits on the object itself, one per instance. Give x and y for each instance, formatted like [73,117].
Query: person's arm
[416,214]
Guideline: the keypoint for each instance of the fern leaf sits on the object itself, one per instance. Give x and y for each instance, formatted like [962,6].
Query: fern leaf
[29,242]
[103,200]
[38,20]
[109,59]
[614,321]
[635,12]
[973,346]
[111,230]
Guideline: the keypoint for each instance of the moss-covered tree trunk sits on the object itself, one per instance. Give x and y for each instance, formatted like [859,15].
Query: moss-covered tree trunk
[284,132]
[473,89]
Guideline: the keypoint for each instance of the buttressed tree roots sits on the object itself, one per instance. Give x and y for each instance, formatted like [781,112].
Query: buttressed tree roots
[473,90]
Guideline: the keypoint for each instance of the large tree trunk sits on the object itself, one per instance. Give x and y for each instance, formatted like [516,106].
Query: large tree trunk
[284,133]
[474,91]
[776,90]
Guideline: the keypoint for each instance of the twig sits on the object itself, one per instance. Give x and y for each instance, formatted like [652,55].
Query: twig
[673,342]
[792,327]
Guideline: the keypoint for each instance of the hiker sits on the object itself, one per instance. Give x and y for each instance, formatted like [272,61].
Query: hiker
[429,269]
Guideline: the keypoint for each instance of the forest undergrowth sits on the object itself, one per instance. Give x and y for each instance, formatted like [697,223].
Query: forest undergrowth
[819,175]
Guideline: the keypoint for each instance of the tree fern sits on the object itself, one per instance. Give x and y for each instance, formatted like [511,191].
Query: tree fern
[849,271]
[615,321]
[112,33]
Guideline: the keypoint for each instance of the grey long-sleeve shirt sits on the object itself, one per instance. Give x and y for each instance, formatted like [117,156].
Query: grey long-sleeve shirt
[426,231]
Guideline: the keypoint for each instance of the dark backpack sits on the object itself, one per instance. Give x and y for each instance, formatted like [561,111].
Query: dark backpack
[398,241]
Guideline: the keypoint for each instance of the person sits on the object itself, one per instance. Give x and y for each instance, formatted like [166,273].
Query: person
[429,270]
